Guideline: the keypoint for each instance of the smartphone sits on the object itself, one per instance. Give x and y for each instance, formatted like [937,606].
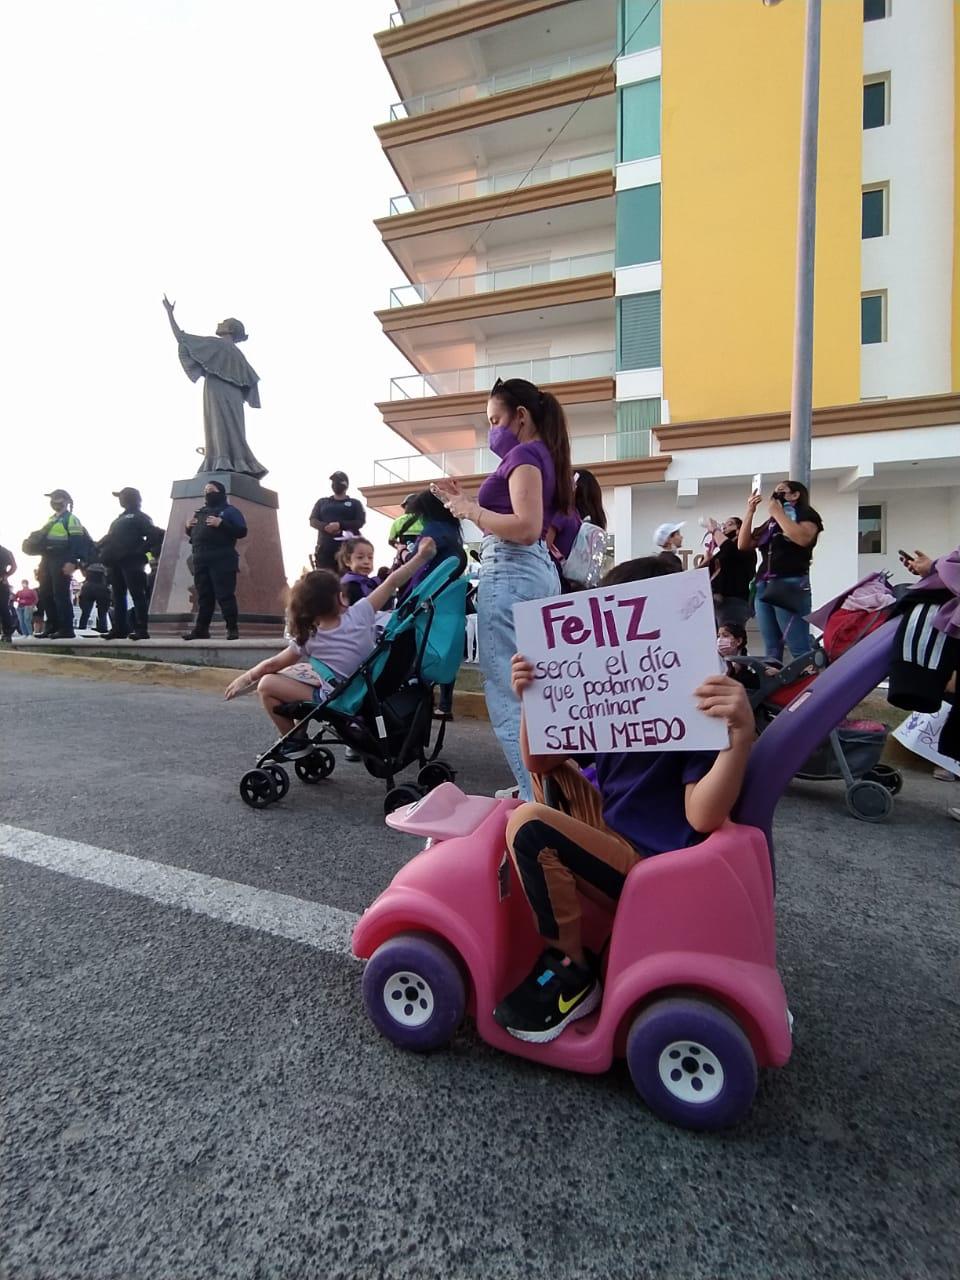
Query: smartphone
[757,486]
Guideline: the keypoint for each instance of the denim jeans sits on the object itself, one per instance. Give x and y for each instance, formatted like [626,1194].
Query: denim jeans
[25,619]
[779,627]
[509,573]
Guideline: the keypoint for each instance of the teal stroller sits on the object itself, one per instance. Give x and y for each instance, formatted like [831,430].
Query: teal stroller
[384,711]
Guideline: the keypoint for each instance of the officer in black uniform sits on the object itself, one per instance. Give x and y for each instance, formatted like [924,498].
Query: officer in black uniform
[124,552]
[214,532]
[332,517]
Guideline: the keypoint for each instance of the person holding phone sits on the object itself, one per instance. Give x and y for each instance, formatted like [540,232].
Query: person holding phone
[514,509]
[785,541]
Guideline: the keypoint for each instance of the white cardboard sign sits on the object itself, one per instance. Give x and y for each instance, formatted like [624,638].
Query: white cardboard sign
[616,667]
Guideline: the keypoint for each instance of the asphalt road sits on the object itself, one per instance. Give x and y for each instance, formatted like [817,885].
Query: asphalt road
[189,1097]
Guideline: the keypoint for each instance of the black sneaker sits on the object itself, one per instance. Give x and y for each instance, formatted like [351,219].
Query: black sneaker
[195,635]
[554,995]
[293,748]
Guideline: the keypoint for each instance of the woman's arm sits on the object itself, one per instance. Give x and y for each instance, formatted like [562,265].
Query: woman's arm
[521,675]
[803,532]
[747,535]
[270,666]
[708,802]
[525,524]
[381,596]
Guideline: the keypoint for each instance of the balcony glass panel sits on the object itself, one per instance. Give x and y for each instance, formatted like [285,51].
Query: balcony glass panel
[495,183]
[502,82]
[451,382]
[422,468]
[413,13]
[584,264]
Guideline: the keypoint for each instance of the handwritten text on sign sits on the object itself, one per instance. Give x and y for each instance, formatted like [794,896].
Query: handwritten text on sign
[615,668]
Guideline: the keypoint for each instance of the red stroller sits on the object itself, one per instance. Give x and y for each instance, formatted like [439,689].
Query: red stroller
[852,751]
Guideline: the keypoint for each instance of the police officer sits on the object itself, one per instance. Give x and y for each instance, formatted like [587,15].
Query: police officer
[332,518]
[124,551]
[214,532]
[61,544]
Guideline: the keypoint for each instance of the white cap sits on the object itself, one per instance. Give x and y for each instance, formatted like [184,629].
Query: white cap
[663,531]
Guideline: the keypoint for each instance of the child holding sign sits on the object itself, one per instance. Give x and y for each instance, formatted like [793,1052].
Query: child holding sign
[648,803]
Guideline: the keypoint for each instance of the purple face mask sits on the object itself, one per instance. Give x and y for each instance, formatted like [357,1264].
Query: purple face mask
[501,440]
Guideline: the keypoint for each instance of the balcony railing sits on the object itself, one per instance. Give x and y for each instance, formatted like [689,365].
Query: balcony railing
[502,82]
[494,183]
[400,17]
[584,264]
[451,382]
[423,468]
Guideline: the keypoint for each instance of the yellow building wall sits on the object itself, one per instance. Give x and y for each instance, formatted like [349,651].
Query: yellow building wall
[956,198]
[730,146]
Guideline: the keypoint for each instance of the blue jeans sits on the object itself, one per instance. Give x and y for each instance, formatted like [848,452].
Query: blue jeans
[509,573]
[25,619]
[779,627]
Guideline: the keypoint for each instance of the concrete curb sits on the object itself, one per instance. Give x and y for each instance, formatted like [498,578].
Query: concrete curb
[169,674]
[466,705]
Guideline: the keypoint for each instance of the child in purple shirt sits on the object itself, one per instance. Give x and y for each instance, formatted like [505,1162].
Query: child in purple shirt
[645,803]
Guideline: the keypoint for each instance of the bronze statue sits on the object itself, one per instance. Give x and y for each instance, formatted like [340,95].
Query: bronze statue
[229,383]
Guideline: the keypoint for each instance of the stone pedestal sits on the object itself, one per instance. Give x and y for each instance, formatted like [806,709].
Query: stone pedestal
[261,582]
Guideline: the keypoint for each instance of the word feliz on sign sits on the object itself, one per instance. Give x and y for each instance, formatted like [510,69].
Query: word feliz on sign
[615,669]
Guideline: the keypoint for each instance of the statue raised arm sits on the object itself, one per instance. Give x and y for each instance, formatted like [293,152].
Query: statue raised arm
[229,383]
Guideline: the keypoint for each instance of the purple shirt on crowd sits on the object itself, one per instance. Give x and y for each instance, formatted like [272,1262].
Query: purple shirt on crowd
[566,527]
[494,493]
[643,796]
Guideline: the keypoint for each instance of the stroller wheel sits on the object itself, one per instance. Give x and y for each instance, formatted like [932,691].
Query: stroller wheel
[432,774]
[316,766]
[869,801]
[887,776]
[258,789]
[281,779]
[406,793]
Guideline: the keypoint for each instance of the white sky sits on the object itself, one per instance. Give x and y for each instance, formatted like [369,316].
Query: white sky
[222,152]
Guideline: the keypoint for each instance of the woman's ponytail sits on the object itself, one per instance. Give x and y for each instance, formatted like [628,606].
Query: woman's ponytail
[554,434]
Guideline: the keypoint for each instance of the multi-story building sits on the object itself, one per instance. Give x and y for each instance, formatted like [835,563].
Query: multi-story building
[600,195]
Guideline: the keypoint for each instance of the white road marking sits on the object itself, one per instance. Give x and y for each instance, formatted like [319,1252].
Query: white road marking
[284,916]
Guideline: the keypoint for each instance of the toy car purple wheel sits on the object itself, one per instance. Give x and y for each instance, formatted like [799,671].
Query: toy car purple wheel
[414,992]
[692,1063]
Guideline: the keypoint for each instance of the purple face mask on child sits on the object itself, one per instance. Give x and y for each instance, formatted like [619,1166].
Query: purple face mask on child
[727,646]
[501,440]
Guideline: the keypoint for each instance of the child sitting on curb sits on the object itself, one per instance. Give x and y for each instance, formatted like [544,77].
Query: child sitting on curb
[648,803]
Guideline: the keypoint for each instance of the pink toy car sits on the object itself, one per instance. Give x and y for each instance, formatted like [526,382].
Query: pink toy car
[691,994]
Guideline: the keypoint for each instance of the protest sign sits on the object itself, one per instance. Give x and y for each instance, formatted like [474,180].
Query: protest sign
[615,668]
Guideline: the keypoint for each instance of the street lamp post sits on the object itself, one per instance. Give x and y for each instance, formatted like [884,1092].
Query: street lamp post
[801,397]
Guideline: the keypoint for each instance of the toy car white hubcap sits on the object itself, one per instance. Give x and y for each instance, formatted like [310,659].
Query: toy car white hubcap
[690,1071]
[408,999]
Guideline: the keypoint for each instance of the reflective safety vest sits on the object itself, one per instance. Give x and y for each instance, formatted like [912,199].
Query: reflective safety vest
[59,531]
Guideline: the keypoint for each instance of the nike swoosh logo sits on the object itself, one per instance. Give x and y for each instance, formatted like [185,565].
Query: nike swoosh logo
[566,1005]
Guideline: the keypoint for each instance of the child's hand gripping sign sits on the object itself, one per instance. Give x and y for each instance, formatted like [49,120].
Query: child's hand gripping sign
[615,669]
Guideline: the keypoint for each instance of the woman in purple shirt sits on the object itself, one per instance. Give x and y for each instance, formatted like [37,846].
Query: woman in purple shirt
[516,504]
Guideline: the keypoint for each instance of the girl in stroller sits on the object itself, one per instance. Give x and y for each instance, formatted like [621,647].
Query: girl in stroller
[322,627]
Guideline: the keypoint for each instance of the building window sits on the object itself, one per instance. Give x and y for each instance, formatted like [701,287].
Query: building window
[638,225]
[871,535]
[635,418]
[638,331]
[873,212]
[639,25]
[873,318]
[873,10]
[640,120]
[876,103]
